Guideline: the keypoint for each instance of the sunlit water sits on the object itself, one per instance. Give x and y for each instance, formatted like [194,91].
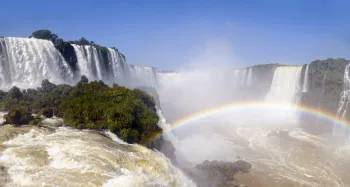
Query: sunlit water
[68,157]
[300,159]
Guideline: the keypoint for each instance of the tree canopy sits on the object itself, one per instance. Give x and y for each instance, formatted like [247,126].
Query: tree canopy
[130,114]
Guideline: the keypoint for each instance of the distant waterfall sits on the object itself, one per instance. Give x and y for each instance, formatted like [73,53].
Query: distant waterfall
[243,77]
[94,67]
[284,85]
[117,64]
[25,62]
[142,76]
[344,101]
[249,77]
[306,79]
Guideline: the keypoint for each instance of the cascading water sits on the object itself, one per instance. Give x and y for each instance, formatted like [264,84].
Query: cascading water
[25,62]
[249,77]
[91,64]
[306,79]
[84,64]
[343,103]
[243,77]
[117,66]
[142,76]
[284,85]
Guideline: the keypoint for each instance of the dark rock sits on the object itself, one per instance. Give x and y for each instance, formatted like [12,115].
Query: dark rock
[218,173]
[163,146]
[68,53]
[47,112]
[4,177]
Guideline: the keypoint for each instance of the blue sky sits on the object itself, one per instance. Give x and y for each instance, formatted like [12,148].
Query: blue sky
[167,34]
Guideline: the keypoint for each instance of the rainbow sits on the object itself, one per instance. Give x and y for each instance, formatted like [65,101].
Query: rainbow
[250,105]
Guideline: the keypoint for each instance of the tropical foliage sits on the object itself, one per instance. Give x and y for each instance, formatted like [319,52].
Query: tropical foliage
[130,114]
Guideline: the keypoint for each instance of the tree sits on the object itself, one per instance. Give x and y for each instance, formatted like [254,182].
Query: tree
[84,79]
[44,34]
[84,41]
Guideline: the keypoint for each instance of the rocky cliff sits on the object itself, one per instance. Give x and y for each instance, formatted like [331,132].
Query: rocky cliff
[326,79]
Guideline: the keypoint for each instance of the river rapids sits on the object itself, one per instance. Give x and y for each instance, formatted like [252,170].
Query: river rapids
[67,157]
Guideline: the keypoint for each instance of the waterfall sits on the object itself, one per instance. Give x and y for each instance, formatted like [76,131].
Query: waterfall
[91,64]
[142,76]
[284,85]
[343,103]
[168,135]
[249,77]
[83,63]
[243,78]
[235,78]
[25,62]
[306,79]
[116,66]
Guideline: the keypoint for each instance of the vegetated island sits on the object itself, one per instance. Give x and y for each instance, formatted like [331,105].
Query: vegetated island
[130,114]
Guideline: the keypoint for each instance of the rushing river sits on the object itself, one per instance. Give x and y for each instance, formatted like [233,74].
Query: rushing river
[67,157]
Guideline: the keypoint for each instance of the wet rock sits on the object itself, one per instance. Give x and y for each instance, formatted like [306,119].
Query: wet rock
[165,147]
[4,177]
[326,79]
[218,173]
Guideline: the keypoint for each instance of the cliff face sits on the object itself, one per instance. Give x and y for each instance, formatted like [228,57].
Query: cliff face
[325,87]
[261,81]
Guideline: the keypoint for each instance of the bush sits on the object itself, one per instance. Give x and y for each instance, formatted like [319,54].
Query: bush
[47,112]
[18,116]
[128,113]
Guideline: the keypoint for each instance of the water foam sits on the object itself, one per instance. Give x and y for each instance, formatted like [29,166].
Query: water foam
[68,157]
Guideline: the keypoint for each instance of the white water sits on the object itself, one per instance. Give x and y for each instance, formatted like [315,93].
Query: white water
[343,103]
[284,85]
[83,63]
[306,79]
[67,157]
[25,62]
[143,76]
[249,77]
[243,77]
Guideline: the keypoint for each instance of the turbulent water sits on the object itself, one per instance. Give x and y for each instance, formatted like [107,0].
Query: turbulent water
[67,157]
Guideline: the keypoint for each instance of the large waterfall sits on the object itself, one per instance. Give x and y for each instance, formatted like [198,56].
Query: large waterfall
[284,85]
[25,62]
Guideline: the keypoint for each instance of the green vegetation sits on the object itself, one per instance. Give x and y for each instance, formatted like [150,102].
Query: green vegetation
[44,34]
[130,114]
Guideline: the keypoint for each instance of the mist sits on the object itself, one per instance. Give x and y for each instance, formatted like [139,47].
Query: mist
[213,78]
